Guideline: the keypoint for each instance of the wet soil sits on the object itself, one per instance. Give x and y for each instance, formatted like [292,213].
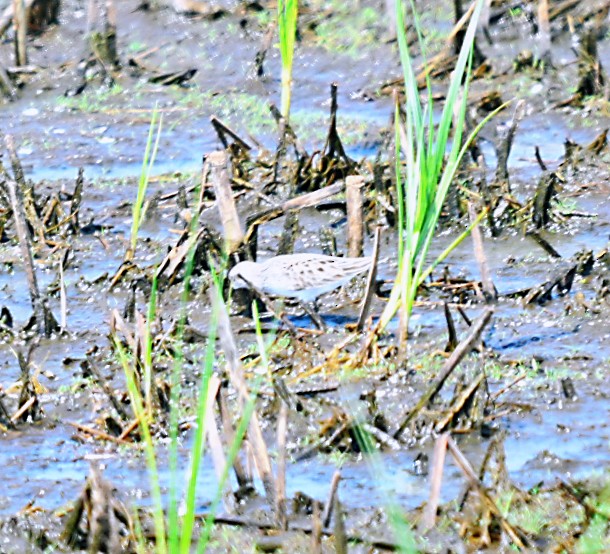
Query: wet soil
[550,432]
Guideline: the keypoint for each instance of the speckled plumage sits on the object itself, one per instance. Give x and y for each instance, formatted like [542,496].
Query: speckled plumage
[301,276]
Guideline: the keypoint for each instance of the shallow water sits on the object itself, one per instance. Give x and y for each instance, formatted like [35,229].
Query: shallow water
[42,462]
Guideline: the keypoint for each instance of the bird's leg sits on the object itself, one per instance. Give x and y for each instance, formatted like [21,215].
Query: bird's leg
[311,309]
[242,298]
[269,305]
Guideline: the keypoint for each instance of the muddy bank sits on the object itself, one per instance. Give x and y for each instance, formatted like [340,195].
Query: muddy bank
[537,378]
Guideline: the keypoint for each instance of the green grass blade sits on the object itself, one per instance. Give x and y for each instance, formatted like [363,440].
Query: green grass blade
[404,538]
[198,448]
[240,433]
[464,59]
[148,344]
[149,448]
[429,169]
[147,164]
[454,244]
[400,200]
[412,101]
[287,13]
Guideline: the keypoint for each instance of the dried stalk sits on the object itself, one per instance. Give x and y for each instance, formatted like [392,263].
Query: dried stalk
[236,374]
[223,130]
[501,179]
[544,32]
[242,473]
[355,227]
[370,282]
[300,202]
[7,15]
[339,529]
[489,290]
[282,424]
[465,346]
[218,458]
[436,478]
[219,175]
[330,502]
[20,25]
[468,471]
[45,322]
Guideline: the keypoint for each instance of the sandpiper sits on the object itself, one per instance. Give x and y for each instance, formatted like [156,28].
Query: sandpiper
[301,276]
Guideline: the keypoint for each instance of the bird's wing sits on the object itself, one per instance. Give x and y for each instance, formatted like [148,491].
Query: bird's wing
[312,272]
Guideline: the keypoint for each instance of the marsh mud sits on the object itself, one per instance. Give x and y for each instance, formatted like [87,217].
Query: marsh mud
[539,405]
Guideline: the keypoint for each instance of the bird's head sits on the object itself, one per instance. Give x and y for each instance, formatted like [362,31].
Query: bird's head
[242,272]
